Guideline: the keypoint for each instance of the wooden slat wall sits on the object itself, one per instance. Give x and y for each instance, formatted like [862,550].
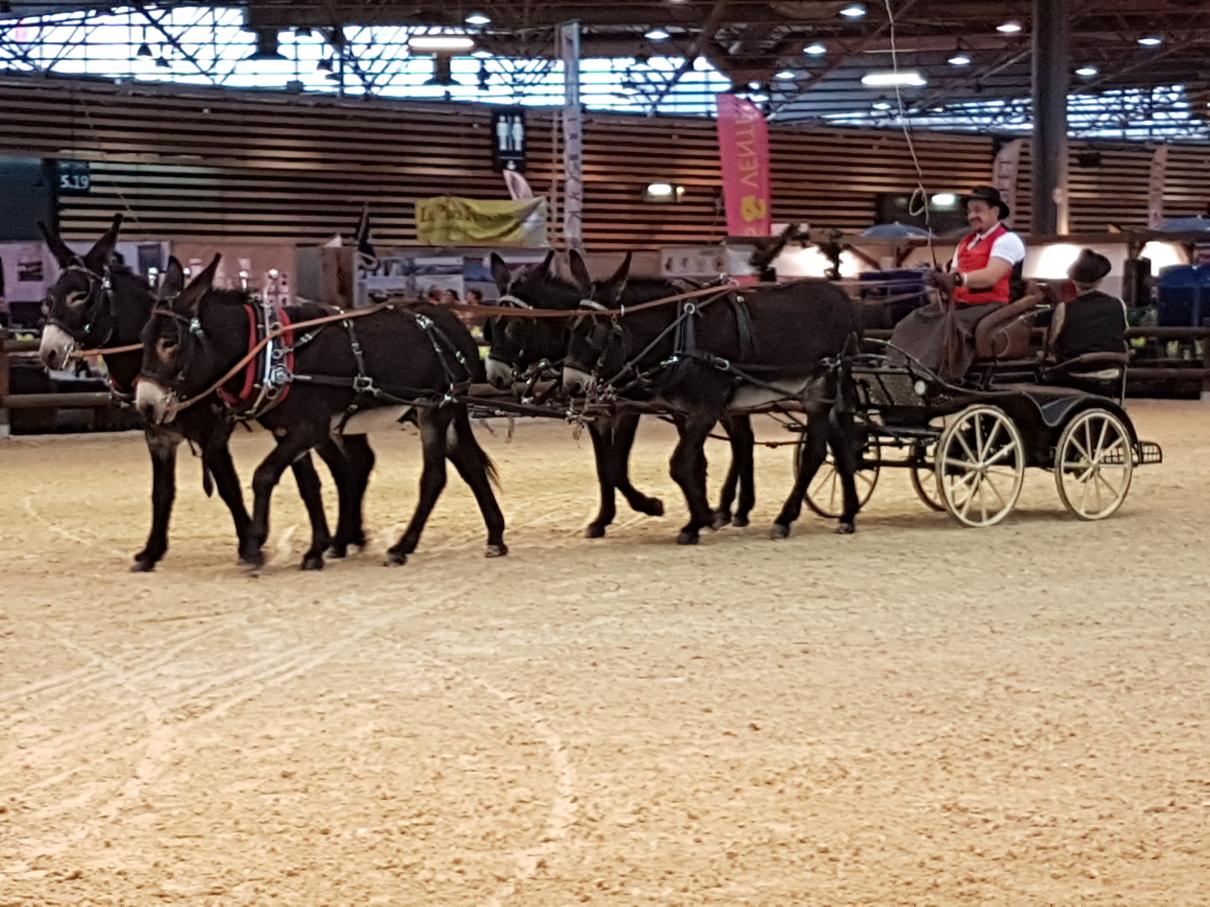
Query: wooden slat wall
[210,165]
[1187,187]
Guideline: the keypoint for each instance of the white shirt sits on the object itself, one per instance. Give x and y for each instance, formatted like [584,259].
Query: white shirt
[1008,246]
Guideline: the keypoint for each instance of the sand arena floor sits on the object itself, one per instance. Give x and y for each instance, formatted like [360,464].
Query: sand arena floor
[918,713]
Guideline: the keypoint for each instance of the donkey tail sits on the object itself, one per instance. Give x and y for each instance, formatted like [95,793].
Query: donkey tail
[465,436]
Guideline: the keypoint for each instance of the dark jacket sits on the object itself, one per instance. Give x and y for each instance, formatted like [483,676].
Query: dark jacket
[1091,323]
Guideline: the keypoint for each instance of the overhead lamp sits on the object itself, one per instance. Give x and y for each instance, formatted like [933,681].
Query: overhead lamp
[1087,71]
[143,51]
[815,50]
[267,47]
[657,34]
[853,11]
[908,77]
[163,63]
[324,65]
[440,43]
[959,60]
[882,105]
[785,74]
[944,200]
[663,192]
[1151,41]
[478,19]
[1009,28]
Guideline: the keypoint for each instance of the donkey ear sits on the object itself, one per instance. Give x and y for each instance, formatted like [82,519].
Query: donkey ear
[611,289]
[500,273]
[98,256]
[58,248]
[542,271]
[174,279]
[579,272]
[193,294]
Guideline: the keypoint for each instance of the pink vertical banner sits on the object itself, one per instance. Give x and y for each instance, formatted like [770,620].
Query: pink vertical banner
[743,142]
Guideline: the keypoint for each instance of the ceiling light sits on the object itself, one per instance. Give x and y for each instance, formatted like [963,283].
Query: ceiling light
[755,86]
[422,43]
[324,65]
[944,200]
[660,190]
[853,11]
[815,50]
[143,51]
[1151,41]
[1009,28]
[959,60]
[785,74]
[887,79]
[657,34]
[478,19]
[1087,71]
[882,105]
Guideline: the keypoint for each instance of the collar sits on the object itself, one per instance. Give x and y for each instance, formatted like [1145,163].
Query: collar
[979,237]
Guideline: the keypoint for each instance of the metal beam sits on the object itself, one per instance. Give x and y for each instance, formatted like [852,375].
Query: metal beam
[1048,157]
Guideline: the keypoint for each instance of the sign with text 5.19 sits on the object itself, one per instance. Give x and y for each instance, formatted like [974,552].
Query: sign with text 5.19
[75,178]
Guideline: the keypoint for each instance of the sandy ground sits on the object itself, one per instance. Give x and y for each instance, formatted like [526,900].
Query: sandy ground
[918,713]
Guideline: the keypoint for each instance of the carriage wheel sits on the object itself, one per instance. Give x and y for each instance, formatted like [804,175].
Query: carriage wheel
[924,478]
[1094,464]
[825,496]
[980,466]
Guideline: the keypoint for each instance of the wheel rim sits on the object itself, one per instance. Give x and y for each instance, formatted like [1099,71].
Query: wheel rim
[980,466]
[825,495]
[1094,465]
[924,479]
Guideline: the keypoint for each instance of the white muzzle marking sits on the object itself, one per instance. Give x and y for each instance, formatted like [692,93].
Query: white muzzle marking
[56,347]
[152,400]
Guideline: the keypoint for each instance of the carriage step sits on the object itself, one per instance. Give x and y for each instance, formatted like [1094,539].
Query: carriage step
[1149,453]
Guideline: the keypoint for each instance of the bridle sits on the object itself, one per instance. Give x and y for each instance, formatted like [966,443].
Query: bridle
[189,337]
[98,306]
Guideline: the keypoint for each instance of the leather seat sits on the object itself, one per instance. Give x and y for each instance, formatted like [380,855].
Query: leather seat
[1005,334]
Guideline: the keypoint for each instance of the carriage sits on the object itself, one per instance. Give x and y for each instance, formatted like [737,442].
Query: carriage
[967,447]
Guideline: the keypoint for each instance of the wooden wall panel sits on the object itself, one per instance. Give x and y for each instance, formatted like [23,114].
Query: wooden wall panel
[209,165]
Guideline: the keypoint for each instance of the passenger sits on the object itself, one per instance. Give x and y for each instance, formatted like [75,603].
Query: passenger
[1092,322]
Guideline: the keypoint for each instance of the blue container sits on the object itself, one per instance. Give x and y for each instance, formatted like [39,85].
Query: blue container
[1184,297]
[907,283]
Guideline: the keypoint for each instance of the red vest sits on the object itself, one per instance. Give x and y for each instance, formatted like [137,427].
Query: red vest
[975,258]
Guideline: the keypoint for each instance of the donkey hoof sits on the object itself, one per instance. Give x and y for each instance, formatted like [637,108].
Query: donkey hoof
[779,531]
[496,550]
[142,565]
[652,507]
[338,551]
[594,531]
[252,558]
[846,529]
[312,562]
[687,537]
[720,519]
[396,558]
[740,521]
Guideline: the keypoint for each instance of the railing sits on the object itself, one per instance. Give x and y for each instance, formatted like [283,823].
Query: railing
[10,348]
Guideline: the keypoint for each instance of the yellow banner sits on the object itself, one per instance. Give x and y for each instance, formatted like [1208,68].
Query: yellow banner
[452,221]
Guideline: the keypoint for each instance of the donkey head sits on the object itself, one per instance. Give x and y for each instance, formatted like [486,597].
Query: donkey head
[517,343]
[78,307]
[176,358]
[598,343]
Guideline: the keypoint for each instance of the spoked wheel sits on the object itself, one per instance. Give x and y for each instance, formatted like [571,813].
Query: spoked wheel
[980,466]
[1094,464]
[924,478]
[825,496]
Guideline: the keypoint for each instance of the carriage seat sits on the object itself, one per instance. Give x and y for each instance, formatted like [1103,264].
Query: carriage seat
[1005,333]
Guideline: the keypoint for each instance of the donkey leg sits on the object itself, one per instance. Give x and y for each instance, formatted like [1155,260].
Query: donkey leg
[743,448]
[739,474]
[844,452]
[477,470]
[624,428]
[688,468]
[222,468]
[433,424]
[264,480]
[816,452]
[311,490]
[162,447]
[361,459]
[602,450]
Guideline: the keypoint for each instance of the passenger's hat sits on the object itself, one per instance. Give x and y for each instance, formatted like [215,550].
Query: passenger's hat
[989,194]
[1089,267]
